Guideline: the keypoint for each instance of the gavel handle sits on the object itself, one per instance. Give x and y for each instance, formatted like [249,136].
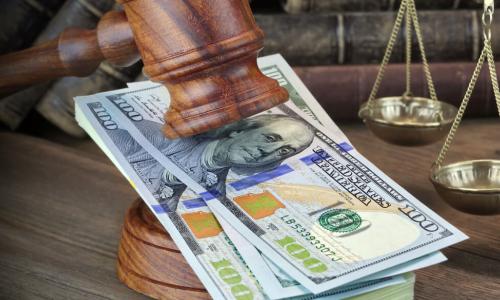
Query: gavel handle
[75,52]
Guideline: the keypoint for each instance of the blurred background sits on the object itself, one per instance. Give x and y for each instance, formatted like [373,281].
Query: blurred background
[335,46]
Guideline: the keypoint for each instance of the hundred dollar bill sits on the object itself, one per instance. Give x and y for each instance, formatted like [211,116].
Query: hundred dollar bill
[255,201]
[276,67]
[206,245]
[274,281]
[350,290]
[314,205]
[195,231]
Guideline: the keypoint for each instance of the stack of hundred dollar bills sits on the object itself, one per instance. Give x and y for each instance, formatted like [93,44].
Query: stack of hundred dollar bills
[276,206]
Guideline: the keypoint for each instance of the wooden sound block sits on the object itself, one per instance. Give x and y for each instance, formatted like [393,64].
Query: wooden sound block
[150,262]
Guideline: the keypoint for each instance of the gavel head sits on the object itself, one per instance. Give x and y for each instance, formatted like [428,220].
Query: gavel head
[205,53]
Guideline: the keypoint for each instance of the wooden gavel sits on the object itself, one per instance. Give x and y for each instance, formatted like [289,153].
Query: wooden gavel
[204,52]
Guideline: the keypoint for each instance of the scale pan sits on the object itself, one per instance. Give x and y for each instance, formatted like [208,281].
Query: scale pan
[470,186]
[408,121]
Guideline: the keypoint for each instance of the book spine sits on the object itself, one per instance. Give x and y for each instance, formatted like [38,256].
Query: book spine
[21,21]
[57,105]
[74,13]
[342,89]
[322,6]
[141,77]
[361,38]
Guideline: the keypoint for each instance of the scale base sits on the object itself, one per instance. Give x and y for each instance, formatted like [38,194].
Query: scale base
[150,263]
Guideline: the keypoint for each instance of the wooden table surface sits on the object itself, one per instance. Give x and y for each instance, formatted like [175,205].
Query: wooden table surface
[61,210]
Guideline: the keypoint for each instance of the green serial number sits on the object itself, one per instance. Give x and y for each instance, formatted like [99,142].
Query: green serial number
[312,239]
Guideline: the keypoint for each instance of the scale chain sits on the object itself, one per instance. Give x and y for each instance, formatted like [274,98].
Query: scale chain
[388,52]
[487,20]
[418,32]
[409,11]
[408,51]
[461,110]
[493,75]
[487,53]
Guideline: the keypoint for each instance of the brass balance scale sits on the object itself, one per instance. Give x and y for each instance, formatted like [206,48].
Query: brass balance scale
[471,186]
[407,120]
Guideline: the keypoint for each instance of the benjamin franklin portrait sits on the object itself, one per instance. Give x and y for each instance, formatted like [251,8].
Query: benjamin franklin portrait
[246,147]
